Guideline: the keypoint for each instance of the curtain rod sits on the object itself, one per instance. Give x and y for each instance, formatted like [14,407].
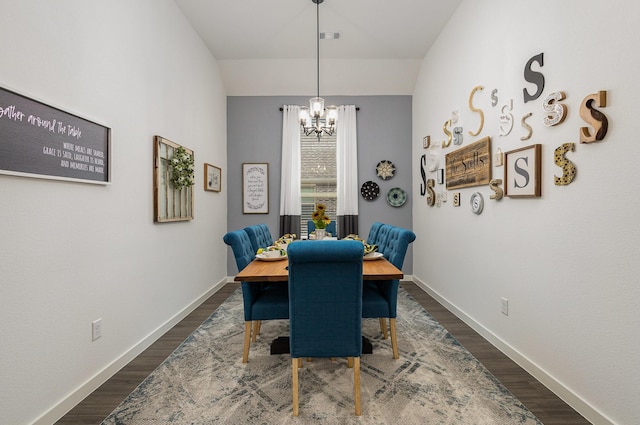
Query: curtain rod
[282,109]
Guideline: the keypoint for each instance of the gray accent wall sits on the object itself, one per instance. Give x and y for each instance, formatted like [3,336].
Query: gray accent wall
[254,134]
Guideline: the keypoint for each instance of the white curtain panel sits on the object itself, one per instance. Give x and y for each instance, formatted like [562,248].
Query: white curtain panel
[347,161]
[290,202]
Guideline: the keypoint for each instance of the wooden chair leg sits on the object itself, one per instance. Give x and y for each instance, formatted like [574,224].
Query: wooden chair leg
[394,339]
[356,384]
[294,384]
[383,328]
[256,330]
[247,341]
[349,362]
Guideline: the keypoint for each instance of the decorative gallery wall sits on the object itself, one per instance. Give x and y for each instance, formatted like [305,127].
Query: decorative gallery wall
[471,165]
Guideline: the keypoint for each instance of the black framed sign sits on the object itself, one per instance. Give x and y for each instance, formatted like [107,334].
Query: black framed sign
[38,140]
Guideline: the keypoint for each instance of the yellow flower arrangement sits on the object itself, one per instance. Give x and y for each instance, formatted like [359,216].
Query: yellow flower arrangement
[319,217]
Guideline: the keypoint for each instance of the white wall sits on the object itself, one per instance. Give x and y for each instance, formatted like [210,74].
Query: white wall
[72,252]
[568,261]
[340,77]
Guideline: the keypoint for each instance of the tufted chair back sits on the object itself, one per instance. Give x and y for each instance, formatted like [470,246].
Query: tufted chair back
[259,235]
[242,248]
[394,243]
[373,233]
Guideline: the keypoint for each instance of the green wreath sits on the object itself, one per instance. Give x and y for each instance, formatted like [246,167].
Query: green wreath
[181,169]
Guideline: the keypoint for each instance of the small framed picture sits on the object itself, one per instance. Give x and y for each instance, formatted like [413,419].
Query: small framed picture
[522,169]
[426,142]
[212,178]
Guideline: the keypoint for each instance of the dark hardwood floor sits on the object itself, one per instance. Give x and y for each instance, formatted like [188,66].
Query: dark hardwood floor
[542,402]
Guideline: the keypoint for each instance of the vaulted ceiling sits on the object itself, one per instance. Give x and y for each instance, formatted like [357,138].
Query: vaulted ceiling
[268,47]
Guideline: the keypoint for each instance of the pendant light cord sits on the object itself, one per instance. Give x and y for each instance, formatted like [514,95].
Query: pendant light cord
[318,47]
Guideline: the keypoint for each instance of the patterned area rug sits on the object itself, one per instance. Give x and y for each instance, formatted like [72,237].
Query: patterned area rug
[435,381]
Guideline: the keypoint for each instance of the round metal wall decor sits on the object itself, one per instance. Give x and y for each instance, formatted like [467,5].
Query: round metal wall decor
[385,169]
[370,190]
[396,197]
[477,203]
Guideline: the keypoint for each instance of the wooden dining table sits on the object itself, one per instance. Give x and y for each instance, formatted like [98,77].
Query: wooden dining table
[276,271]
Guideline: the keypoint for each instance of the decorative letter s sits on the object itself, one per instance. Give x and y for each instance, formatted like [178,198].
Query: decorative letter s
[506,117]
[475,89]
[431,198]
[593,117]
[423,174]
[556,112]
[447,142]
[534,77]
[568,169]
[495,186]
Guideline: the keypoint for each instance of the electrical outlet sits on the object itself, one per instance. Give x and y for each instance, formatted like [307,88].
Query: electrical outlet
[96,329]
[505,306]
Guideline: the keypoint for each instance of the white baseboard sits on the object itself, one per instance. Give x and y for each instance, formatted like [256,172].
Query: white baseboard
[578,404]
[69,402]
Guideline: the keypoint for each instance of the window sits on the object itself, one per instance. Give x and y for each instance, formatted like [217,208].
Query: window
[318,177]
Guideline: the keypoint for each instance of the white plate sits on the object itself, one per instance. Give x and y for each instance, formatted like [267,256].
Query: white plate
[263,257]
[373,256]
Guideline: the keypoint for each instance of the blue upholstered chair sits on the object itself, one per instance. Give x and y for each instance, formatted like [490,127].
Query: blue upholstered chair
[261,302]
[259,235]
[373,232]
[380,298]
[325,305]
[331,227]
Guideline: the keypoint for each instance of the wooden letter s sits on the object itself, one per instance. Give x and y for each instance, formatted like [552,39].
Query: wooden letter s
[527,126]
[445,126]
[475,89]
[431,198]
[495,186]
[593,117]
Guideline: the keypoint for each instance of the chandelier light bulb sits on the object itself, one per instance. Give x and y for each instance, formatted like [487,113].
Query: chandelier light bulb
[305,119]
[316,106]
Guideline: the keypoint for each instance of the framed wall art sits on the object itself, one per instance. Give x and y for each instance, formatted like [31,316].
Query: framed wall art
[212,178]
[470,165]
[172,201]
[255,188]
[41,141]
[522,169]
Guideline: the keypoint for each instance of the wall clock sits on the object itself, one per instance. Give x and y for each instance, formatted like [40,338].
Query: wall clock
[385,169]
[477,203]
[370,190]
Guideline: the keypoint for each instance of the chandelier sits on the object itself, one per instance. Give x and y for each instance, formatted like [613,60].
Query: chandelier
[310,117]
